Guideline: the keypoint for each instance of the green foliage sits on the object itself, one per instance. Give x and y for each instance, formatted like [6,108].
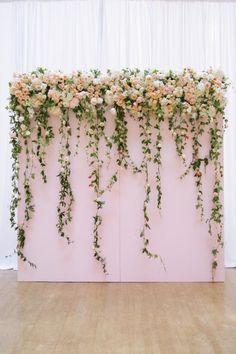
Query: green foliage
[190,105]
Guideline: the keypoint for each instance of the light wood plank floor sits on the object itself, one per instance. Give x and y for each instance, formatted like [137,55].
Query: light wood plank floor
[75,318]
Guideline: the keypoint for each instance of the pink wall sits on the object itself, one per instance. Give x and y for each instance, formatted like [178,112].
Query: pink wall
[177,235]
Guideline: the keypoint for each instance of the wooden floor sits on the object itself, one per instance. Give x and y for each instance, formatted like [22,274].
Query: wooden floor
[75,318]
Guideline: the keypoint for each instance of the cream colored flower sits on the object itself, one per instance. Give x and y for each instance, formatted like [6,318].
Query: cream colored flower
[148,77]
[164,101]
[113,111]
[54,95]
[189,109]
[23,127]
[37,84]
[99,100]
[94,101]
[157,83]
[178,91]
[201,86]
[109,98]
[55,111]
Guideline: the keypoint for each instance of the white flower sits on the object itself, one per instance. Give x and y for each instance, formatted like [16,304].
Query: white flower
[27,133]
[210,76]
[96,81]
[158,83]
[94,101]
[67,99]
[201,86]
[21,119]
[164,101]
[99,100]
[109,98]
[113,111]
[37,84]
[31,113]
[43,87]
[189,109]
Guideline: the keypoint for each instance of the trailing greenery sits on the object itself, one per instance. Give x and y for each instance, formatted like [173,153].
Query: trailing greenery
[191,105]
[66,198]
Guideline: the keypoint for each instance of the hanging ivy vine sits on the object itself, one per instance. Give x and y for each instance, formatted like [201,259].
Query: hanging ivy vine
[66,198]
[191,105]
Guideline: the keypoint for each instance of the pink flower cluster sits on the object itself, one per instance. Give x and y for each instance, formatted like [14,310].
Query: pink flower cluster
[132,90]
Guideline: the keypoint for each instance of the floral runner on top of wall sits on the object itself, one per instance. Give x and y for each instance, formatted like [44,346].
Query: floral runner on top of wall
[191,103]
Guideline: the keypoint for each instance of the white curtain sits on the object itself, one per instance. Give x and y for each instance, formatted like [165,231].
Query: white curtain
[7,67]
[84,34]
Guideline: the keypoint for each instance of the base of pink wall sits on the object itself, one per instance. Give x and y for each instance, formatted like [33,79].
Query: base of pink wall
[178,235]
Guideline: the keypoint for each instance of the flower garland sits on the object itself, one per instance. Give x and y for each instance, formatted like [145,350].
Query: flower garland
[192,105]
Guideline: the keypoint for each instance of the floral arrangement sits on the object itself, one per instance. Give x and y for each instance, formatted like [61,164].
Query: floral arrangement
[192,104]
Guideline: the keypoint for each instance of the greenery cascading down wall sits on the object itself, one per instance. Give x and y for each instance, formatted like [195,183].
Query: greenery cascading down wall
[192,104]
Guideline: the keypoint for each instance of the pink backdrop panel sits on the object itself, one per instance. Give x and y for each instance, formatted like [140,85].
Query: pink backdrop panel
[178,234]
